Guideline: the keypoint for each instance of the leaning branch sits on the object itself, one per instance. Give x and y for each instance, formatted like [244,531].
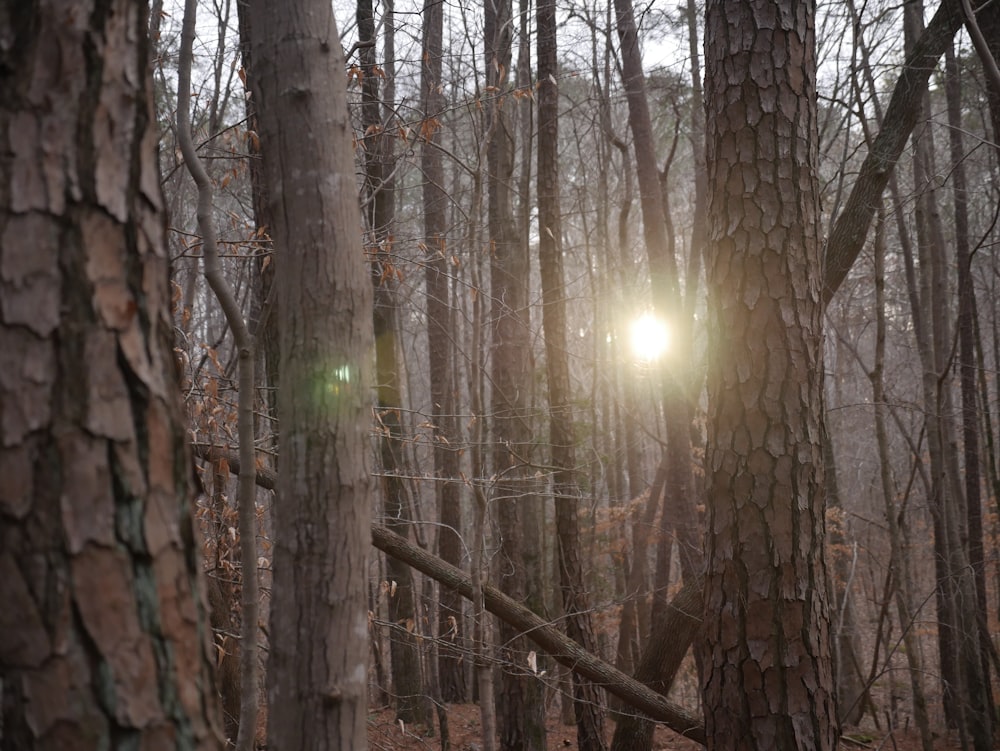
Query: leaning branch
[563,649]
[851,228]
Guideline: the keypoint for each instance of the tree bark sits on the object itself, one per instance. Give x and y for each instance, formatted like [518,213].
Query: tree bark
[769,682]
[379,211]
[660,661]
[104,635]
[972,473]
[899,562]
[317,680]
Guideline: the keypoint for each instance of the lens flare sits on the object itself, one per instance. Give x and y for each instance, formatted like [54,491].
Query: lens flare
[650,337]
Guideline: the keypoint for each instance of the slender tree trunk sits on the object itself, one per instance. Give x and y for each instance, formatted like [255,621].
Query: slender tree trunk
[246,352]
[967,363]
[679,516]
[769,681]
[661,659]
[439,349]
[852,694]
[532,506]
[968,709]
[899,560]
[587,705]
[404,649]
[520,699]
[318,668]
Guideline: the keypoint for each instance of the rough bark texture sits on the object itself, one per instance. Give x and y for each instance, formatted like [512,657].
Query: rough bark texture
[317,682]
[768,680]
[103,632]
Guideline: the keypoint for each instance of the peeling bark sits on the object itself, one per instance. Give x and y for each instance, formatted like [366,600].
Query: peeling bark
[104,632]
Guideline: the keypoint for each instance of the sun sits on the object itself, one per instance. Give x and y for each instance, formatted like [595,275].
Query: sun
[650,337]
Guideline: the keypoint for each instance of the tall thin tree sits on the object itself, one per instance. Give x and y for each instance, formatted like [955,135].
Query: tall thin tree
[440,338]
[520,700]
[587,706]
[246,353]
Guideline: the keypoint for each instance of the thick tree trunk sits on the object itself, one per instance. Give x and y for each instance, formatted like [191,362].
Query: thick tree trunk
[104,635]
[769,681]
[317,680]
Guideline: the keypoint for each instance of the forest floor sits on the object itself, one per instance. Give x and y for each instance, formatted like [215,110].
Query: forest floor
[463,725]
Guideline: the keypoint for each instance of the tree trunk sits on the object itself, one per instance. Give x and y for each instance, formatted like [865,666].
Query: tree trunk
[899,562]
[852,694]
[679,516]
[661,659]
[104,639]
[317,680]
[964,688]
[587,705]
[439,348]
[246,353]
[404,651]
[520,699]
[769,681]
[967,364]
